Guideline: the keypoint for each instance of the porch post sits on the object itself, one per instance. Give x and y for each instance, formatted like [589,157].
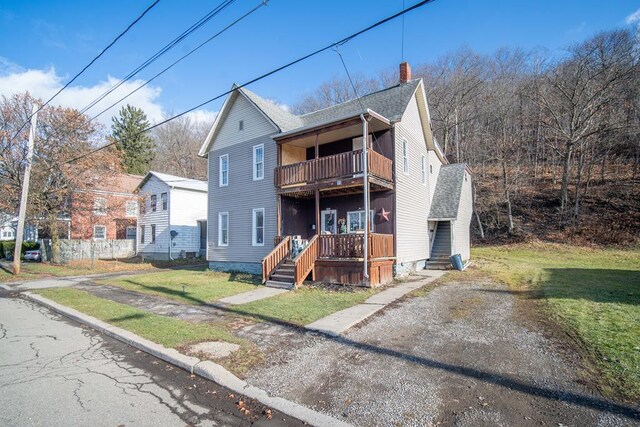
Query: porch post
[317,212]
[316,145]
[279,215]
[365,170]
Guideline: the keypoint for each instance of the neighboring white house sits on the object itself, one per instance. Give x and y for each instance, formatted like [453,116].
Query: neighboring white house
[8,230]
[173,217]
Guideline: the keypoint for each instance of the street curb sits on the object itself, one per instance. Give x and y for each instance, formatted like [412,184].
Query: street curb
[205,369]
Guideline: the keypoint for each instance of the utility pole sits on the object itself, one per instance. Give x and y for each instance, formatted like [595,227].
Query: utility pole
[25,192]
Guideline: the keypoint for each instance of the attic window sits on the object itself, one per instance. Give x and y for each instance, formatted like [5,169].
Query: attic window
[241,125]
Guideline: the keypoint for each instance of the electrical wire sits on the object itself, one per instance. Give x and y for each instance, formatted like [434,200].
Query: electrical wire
[267,74]
[135,21]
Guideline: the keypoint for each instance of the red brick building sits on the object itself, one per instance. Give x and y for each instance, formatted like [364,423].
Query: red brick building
[108,211]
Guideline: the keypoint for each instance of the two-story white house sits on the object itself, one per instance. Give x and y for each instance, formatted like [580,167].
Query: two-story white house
[172,221]
[292,197]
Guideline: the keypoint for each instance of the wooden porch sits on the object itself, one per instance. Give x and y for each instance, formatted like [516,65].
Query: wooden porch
[332,258]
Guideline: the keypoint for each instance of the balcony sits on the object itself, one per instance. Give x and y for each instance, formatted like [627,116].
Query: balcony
[328,170]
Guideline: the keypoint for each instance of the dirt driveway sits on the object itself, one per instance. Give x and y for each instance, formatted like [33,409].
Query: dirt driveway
[461,355]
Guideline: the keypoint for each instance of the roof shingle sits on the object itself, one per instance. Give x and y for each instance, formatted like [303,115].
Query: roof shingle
[446,198]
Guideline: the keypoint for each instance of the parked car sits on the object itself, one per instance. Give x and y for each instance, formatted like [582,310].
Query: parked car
[34,255]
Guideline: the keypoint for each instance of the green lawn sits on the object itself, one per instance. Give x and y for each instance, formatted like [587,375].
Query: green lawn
[199,286]
[163,330]
[593,292]
[304,305]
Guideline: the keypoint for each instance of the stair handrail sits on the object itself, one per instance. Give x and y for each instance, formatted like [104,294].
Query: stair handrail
[275,257]
[305,261]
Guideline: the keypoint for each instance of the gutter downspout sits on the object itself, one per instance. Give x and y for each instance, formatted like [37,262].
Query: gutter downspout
[169,221]
[365,169]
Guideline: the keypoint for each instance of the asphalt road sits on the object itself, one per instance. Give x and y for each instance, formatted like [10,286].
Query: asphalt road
[55,372]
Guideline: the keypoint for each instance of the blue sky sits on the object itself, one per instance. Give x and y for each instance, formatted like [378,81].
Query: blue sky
[44,43]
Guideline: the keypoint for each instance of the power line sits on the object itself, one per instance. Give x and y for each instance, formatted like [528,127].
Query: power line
[262,3]
[186,33]
[265,75]
[88,65]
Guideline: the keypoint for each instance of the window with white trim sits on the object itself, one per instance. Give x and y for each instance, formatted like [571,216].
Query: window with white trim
[223,229]
[154,202]
[153,233]
[100,206]
[355,221]
[224,170]
[405,156]
[99,232]
[163,200]
[130,233]
[258,162]
[142,234]
[424,170]
[257,235]
[131,208]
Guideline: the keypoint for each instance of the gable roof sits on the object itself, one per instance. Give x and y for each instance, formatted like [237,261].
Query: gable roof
[175,181]
[446,198]
[389,103]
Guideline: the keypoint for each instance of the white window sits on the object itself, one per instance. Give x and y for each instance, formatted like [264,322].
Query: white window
[223,229]
[424,170]
[258,162]
[224,170]
[131,208]
[154,202]
[99,206]
[355,221]
[131,233]
[258,227]
[163,200]
[99,232]
[405,156]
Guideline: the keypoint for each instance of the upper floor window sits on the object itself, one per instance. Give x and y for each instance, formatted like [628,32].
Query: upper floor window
[405,156]
[154,202]
[131,208]
[430,168]
[224,170]
[258,227]
[241,125]
[100,206]
[163,200]
[424,170]
[258,162]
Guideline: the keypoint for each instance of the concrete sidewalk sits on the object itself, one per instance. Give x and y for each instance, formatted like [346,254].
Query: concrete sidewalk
[338,322]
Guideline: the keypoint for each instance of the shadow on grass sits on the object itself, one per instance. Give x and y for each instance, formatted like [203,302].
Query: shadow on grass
[597,285]
[487,376]
[127,317]
[178,264]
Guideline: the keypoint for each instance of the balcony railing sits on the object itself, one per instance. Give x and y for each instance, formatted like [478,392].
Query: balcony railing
[343,165]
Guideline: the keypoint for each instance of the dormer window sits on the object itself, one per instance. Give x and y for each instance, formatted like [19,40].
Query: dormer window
[241,125]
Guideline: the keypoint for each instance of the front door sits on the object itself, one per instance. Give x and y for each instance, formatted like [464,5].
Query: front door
[328,221]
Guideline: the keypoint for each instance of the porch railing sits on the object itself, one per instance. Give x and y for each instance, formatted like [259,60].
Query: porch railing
[305,261]
[275,257]
[352,245]
[341,165]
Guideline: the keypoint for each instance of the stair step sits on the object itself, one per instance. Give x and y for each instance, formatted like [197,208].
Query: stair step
[285,268]
[281,285]
[282,277]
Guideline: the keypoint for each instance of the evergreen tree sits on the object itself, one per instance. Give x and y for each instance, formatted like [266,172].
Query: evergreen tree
[137,147]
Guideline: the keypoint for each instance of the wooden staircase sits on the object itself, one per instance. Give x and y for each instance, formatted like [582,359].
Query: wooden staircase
[441,248]
[283,276]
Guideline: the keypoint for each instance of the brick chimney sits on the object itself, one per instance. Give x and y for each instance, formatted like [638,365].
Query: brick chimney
[405,72]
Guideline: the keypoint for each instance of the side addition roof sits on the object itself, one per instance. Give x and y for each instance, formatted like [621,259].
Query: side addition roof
[446,198]
[175,182]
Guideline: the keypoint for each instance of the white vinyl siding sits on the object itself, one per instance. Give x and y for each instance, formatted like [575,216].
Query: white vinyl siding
[186,208]
[461,226]
[412,197]
[258,162]
[257,235]
[223,229]
[224,170]
[158,217]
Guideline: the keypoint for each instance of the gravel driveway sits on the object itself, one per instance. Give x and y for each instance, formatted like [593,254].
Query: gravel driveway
[461,355]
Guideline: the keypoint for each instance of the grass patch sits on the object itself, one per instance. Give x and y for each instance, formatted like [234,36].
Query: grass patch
[595,293]
[200,287]
[305,305]
[41,270]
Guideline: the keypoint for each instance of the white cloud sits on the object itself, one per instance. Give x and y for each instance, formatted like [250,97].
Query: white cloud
[202,116]
[44,84]
[634,18]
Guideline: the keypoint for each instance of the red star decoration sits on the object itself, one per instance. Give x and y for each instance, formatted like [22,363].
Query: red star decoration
[384,215]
